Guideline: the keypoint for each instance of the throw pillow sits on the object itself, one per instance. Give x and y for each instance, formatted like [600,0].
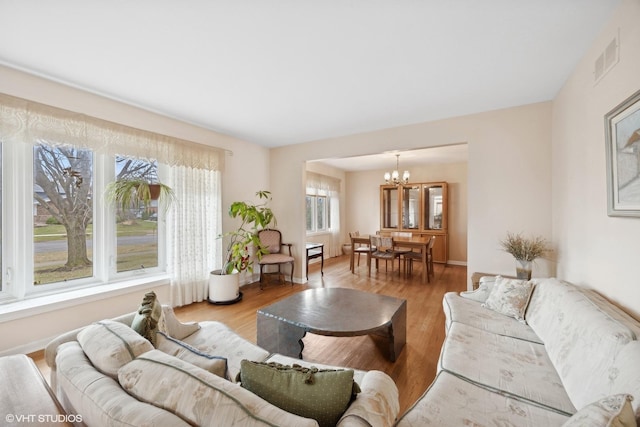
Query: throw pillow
[183,351]
[323,395]
[110,345]
[611,411]
[510,297]
[149,318]
[484,289]
[175,328]
[199,397]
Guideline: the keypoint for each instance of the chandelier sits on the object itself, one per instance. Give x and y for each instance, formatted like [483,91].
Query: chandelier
[394,177]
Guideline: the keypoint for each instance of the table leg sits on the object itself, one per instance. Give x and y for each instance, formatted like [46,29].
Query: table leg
[278,336]
[425,270]
[307,264]
[398,332]
[321,261]
[351,258]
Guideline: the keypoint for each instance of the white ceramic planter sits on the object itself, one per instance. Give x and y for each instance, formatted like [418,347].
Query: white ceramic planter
[224,288]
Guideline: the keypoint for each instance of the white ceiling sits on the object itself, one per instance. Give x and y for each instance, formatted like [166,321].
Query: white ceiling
[279,72]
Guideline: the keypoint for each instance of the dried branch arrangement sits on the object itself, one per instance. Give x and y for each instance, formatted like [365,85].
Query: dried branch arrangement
[524,249]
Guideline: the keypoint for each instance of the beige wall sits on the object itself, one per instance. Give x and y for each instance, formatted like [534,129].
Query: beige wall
[508,177]
[363,190]
[595,250]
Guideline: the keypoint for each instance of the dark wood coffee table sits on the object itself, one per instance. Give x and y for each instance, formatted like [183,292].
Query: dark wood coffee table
[334,312]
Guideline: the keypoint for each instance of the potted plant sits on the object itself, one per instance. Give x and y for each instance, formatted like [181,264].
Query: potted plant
[525,251]
[128,193]
[224,283]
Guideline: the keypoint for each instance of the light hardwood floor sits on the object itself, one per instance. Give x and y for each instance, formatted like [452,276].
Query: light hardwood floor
[413,371]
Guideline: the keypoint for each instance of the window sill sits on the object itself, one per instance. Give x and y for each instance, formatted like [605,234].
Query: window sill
[40,304]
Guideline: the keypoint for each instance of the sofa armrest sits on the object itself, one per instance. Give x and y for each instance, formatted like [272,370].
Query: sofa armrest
[377,404]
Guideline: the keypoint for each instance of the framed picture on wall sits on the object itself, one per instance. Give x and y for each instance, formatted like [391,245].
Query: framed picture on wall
[622,132]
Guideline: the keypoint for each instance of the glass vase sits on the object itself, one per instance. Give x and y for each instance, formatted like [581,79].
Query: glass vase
[523,269]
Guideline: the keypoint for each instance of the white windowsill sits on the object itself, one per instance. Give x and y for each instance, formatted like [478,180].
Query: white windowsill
[45,303]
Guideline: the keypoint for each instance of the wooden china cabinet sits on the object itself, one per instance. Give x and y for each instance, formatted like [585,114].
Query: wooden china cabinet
[419,208]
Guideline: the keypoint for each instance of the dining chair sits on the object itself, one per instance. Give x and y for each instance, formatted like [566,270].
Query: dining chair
[409,257]
[272,240]
[398,249]
[381,251]
[358,248]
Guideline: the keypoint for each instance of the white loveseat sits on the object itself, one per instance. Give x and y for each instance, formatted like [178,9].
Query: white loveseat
[101,400]
[576,358]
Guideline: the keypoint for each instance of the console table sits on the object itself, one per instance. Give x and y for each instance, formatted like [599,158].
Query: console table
[315,250]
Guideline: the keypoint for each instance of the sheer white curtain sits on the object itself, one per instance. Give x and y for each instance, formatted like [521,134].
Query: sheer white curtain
[324,185]
[193,226]
[335,222]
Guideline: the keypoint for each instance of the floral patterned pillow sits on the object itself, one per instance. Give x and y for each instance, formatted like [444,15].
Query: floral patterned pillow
[510,297]
[614,411]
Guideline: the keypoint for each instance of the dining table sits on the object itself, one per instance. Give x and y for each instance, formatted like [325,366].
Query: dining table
[417,242]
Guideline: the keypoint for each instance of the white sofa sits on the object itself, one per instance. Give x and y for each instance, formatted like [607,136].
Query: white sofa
[574,353]
[101,401]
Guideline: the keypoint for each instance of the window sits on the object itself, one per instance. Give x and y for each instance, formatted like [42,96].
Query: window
[323,210]
[57,230]
[63,213]
[137,227]
[318,218]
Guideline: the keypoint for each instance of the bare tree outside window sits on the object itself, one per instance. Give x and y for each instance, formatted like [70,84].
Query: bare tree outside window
[63,213]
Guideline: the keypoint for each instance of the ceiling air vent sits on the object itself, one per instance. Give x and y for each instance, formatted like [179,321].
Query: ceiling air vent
[607,60]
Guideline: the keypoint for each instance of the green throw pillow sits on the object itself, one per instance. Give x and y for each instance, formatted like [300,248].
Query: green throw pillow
[149,318]
[321,394]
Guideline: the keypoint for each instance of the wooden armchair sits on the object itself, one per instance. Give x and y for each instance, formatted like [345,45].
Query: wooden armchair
[272,240]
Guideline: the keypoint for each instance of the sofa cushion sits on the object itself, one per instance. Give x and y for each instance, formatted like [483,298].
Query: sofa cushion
[198,396]
[611,411]
[468,312]
[452,401]
[512,366]
[110,345]
[149,318]
[509,297]
[99,398]
[323,395]
[215,364]
[573,327]
[217,338]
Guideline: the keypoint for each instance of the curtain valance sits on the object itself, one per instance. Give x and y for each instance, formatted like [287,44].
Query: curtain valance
[318,182]
[31,122]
